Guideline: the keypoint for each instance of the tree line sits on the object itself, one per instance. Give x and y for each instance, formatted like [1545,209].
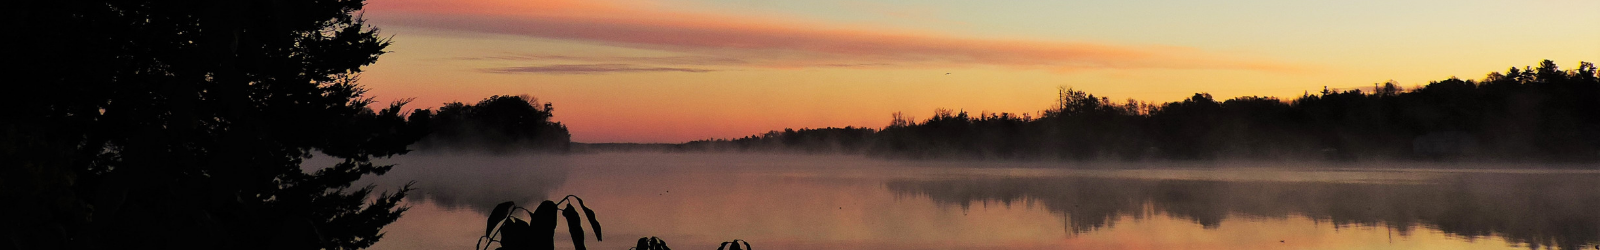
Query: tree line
[1534,113]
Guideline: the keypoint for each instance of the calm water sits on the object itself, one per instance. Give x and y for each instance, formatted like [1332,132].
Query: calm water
[694,201]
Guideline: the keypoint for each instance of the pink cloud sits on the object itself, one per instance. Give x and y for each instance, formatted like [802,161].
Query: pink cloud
[780,42]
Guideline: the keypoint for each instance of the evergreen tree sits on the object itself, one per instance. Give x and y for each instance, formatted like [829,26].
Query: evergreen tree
[183,124]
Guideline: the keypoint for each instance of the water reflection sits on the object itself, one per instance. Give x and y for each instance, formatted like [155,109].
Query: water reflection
[831,202]
[1539,210]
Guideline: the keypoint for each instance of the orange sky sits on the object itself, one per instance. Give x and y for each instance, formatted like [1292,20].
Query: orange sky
[673,71]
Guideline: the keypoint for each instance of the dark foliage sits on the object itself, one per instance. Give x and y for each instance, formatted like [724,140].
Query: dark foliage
[1530,114]
[734,245]
[183,125]
[650,243]
[498,123]
[538,231]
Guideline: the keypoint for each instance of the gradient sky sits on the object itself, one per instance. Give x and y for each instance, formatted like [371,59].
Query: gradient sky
[679,70]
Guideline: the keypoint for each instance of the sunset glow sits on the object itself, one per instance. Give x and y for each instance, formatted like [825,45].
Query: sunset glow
[802,124]
[673,71]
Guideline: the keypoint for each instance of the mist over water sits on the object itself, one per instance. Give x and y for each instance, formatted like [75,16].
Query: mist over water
[475,181]
[782,201]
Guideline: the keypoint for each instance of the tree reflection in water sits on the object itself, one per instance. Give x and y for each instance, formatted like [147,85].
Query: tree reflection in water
[1541,210]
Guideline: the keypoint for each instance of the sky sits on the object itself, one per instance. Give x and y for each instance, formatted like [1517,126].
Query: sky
[679,70]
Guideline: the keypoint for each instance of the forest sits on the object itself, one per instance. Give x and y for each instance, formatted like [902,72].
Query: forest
[1535,113]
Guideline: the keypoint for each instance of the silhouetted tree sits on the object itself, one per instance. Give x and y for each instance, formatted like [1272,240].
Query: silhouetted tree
[183,125]
[499,123]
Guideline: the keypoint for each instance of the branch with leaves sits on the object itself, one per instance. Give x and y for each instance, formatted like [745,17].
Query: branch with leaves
[538,231]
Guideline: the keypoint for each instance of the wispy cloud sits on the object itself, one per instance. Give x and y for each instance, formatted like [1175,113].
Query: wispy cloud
[674,60]
[783,43]
[589,69]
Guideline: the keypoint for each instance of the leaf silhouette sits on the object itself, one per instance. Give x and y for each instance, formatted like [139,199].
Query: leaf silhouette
[516,235]
[593,224]
[543,219]
[574,226]
[499,214]
[735,244]
[651,243]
